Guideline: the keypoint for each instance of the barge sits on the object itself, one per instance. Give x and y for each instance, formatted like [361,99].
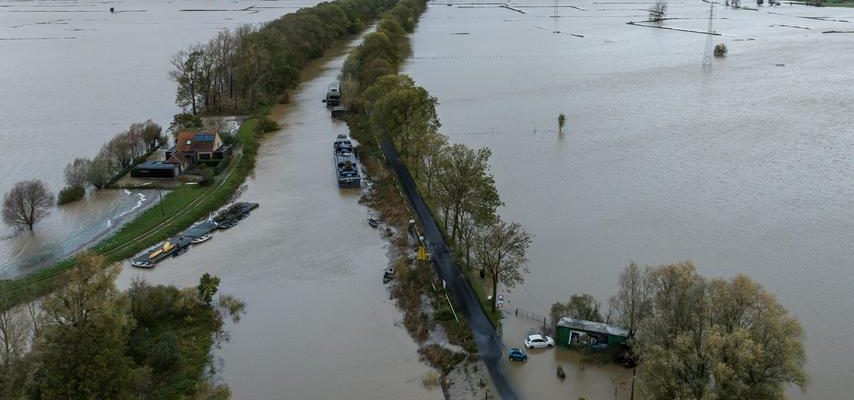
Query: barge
[199,233]
[346,166]
[333,94]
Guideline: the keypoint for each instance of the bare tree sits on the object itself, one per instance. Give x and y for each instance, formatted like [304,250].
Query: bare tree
[36,317]
[500,251]
[13,332]
[657,11]
[121,149]
[137,141]
[100,170]
[633,302]
[151,134]
[75,172]
[27,203]
[187,74]
[214,124]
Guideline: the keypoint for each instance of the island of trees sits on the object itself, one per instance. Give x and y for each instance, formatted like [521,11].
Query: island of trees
[699,338]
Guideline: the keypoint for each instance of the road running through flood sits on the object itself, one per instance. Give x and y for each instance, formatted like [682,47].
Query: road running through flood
[319,321]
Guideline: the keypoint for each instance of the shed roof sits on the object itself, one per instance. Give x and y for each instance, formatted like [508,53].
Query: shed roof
[177,158]
[590,326]
[193,141]
[154,165]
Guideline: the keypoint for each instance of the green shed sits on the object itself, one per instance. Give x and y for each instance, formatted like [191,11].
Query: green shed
[577,332]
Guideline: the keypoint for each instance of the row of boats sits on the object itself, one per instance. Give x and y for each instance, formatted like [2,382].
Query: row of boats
[197,234]
[346,164]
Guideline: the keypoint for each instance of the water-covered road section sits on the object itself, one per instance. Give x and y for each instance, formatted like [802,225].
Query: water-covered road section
[489,343]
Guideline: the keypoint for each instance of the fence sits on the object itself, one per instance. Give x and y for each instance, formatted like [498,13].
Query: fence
[534,317]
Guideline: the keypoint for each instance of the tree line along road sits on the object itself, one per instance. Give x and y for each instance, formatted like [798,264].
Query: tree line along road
[488,341]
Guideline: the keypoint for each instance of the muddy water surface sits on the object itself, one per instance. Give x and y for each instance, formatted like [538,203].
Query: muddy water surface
[319,322]
[746,169]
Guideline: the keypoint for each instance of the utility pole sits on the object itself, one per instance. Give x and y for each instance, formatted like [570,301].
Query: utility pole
[707,55]
[159,194]
[556,11]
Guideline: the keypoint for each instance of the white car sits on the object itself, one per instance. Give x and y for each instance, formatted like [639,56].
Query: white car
[538,342]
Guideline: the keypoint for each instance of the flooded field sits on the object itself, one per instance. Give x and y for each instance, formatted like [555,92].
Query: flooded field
[319,321]
[72,75]
[746,169]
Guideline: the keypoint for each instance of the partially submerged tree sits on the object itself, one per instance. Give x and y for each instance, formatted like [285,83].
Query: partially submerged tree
[720,50]
[658,11]
[75,172]
[100,170]
[207,288]
[27,203]
[717,339]
[501,253]
[561,122]
[633,303]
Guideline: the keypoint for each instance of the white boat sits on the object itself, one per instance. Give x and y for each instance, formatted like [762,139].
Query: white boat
[142,264]
[201,239]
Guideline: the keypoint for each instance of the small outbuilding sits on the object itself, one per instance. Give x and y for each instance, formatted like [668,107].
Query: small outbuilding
[155,169]
[576,332]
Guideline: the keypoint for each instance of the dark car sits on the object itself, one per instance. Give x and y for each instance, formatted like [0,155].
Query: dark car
[517,355]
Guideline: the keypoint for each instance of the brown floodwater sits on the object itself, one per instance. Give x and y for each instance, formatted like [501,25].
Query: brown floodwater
[746,169]
[72,75]
[319,321]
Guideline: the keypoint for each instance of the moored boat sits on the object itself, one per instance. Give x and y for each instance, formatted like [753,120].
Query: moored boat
[201,239]
[346,166]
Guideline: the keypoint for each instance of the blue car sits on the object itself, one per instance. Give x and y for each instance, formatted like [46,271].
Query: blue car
[517,355]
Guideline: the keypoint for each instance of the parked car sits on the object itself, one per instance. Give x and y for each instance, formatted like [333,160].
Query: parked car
[517,355]
[538,342]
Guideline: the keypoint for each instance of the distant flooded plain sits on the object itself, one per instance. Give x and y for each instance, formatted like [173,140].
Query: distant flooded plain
[746,169]
[72,75]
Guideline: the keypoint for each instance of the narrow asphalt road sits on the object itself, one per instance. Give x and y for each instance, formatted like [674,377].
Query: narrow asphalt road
[489,343]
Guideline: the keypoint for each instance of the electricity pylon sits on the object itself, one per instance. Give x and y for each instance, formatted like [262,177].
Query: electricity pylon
[707,55]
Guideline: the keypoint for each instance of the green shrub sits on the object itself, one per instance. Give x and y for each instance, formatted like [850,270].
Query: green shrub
[69,194]
[207,175]
[268,125]
[186,121]
[720,50]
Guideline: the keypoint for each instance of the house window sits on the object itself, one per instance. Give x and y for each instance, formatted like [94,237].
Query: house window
[189,142]
[204,156]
